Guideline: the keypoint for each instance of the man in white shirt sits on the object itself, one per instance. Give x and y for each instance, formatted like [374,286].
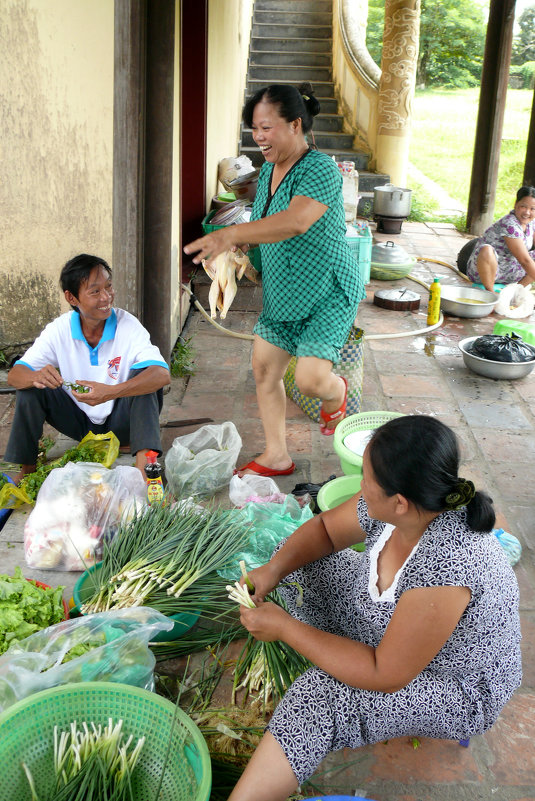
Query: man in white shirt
[107,353]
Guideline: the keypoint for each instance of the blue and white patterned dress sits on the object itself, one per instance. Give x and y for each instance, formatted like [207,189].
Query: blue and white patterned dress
[510,271]
[462,690]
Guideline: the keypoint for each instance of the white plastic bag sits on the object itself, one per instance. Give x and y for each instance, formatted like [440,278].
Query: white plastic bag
[258,489]
[77,506]
[202,463]
[515,301]
[107,646]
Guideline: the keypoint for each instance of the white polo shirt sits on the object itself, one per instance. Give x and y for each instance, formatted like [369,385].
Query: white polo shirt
[125,345]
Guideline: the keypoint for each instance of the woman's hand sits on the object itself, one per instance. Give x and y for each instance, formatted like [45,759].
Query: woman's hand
[264,579]
[266,622]
[211,245]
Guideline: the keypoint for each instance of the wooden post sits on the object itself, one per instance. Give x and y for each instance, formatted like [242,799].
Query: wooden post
[128,152]
[492,96]
[529,166]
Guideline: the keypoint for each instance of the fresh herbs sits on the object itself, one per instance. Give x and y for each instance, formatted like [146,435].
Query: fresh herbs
[25,608]
[85,452]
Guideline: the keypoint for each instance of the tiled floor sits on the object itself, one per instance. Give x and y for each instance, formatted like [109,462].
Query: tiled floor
[495,421]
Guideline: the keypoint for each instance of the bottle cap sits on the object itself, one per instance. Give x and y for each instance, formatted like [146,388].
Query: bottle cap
[436,280]
[151,456]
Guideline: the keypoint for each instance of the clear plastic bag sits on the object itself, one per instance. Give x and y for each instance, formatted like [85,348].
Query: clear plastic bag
[77,506]
[108,646]
[270,523]
[202,463]
[249,488]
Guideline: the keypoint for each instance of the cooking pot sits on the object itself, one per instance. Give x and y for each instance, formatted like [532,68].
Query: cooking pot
[390,261]
[392,201]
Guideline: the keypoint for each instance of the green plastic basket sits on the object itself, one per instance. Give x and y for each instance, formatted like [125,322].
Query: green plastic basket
[340,489]
[85,589]
[351,462]
[27,735]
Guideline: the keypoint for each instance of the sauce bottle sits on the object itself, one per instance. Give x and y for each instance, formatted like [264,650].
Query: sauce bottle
[433,306]
[153,471]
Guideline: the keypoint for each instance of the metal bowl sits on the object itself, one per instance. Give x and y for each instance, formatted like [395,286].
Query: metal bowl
[467,301]
[492,369]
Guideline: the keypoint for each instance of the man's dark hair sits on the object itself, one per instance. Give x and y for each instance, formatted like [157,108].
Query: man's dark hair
[77,271]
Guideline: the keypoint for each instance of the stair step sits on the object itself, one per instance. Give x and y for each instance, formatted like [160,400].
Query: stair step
[334,140]
[291,45]
[360,159]
[322,89]
[276,58]
[275,74]
[292,30]
[293,5]
[291,17]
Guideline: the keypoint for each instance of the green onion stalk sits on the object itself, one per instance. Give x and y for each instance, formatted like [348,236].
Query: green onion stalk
[266,667]
[92,763]
[168,557]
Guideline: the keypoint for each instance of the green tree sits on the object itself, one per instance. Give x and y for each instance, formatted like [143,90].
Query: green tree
[452,41]
[524,41]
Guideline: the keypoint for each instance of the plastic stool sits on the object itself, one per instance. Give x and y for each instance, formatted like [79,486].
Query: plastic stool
[524,330]
[497,287]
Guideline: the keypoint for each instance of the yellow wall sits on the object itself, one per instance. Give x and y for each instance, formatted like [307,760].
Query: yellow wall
[356,92]
[229,29]
[56,107]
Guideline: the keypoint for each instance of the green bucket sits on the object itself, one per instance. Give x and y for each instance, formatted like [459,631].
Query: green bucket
[85,588]
[27,735]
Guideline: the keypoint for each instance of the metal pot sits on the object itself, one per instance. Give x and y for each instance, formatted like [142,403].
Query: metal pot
[490,368]
[392,201]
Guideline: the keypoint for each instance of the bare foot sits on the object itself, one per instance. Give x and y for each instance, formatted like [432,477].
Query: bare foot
[25,469]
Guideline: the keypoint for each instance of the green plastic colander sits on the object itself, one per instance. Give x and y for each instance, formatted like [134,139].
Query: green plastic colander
[351,462]
[27,732]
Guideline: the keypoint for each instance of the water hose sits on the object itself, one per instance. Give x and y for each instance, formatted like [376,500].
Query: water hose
[236,334]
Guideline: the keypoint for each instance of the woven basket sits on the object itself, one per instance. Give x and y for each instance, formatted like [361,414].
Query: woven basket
[27,735]
[350,367]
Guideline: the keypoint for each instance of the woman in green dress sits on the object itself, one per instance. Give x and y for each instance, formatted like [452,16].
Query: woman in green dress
[311,285]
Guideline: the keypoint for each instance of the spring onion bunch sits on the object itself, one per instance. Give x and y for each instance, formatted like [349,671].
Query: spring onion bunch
[92,763]
[167,557]
[265,667]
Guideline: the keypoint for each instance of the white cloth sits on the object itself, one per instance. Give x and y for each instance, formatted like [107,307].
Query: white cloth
[125,345]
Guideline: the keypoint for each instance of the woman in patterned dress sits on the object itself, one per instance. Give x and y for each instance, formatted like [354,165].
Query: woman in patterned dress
[418,635]
[311,285]
[506,252]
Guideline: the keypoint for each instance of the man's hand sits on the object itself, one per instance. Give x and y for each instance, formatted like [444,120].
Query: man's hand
[97,393]
[47,377]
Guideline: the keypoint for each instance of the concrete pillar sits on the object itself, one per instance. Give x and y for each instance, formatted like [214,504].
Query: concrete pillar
[396,87]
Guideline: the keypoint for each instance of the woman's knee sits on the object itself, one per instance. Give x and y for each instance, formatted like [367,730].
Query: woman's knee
[313,376]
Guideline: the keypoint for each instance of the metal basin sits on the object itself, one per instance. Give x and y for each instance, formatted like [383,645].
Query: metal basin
[492,369]
[463,301]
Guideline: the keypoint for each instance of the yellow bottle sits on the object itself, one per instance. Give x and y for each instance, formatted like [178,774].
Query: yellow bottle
[433,306]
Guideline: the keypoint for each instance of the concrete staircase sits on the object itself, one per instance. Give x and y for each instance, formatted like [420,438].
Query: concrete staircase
[291,42]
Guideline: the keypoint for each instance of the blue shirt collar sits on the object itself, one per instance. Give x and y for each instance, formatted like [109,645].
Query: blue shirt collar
[110,327]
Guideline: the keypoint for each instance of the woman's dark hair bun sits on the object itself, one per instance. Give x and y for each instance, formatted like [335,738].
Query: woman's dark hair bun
[311,102]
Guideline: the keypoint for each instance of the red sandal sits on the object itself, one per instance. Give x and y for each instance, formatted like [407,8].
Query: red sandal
[338,415]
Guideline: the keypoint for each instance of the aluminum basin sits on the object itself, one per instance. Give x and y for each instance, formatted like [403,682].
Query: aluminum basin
[492,369]
[467,301]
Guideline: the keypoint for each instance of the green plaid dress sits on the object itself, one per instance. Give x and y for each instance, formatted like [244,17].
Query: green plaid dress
[311,282]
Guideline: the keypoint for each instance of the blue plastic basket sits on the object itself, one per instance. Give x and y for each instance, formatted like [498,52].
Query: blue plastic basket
[361,247]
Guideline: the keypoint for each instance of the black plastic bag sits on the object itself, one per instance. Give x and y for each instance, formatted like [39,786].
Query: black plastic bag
[509,348]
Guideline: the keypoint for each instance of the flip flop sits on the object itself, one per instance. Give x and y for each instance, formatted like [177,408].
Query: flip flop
[338,415]
[261,470]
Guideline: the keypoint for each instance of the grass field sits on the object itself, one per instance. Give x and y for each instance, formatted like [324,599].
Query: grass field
[444,124]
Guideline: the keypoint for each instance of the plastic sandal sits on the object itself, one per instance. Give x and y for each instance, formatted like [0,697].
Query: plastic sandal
[337,416]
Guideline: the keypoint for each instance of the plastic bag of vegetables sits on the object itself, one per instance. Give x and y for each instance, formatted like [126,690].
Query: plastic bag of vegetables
[108,646]
[102,448]
[78,506]
[202,463]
